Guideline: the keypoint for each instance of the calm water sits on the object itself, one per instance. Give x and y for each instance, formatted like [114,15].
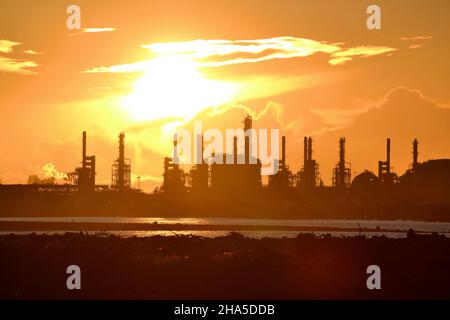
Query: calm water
[403,226]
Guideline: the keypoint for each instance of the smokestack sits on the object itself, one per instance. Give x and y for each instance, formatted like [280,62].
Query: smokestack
[175,149]
[309,149]
[342,150]
[283,152]
[247,150]
[341,166]
[202,148]
[121,162]
[84,150]
[247,123]
[235,149]
[305,151]
[388,155]
[122,147]
[247,126]
[415,153]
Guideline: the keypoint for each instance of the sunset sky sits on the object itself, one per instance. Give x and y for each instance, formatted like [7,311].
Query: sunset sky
[147,67]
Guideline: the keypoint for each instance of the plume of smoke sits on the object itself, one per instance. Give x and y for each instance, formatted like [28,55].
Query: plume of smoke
[49,170]
[49,175]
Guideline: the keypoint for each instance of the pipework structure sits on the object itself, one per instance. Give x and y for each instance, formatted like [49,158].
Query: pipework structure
[174,177]
[121,168]
[385,176]
[234,178]
[283,178]
[85,175]
[308,177]
[342,177]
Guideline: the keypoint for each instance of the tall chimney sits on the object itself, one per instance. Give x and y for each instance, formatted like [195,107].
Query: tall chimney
[283,152]
[305,151]
[84,150]
[341,174]
[235,150]
[122,147]
[247,126]
[415,153]
[175,149]
[202,148]
[342,150]
[309,149]
[388,155]
[121,162]
[247,123]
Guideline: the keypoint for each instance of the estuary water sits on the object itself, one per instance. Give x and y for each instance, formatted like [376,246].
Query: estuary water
[389,228]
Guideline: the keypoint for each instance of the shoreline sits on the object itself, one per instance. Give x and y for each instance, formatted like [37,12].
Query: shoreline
[20,226]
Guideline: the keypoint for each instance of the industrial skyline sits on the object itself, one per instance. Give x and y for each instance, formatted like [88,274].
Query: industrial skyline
[329,79]
[226,176]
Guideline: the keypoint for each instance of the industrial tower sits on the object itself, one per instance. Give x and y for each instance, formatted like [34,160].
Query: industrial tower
[385,175]
[342,171]
[85,175]
[283,178]
[121,168]
[309,175]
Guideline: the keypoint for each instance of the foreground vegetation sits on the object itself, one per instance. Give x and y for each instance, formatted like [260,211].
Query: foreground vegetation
[231,267]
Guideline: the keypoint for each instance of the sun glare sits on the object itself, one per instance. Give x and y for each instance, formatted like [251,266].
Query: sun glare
[174,87]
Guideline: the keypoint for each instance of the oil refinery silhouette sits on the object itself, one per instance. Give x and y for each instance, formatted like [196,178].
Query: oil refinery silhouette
[236,190]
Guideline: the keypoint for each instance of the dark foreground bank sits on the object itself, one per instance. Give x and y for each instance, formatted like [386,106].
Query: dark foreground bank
[231,267]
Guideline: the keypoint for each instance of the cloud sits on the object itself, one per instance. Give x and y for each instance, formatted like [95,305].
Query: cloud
[12,65]
[76,33]
[217,53]
[340,60]
[346,55]
[338,118]
[257,50]
[273,109]
[130,67]
[32,52]
[416,38]
[6,46]
[415,46]
[16,66]
[96,30]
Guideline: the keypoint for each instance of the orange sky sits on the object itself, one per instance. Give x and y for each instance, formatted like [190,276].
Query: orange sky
[306,67]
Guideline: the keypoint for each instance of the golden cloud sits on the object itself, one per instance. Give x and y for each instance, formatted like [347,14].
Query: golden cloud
[416,38]
[6,46]
[415,46]
[32,52]
[343,56]
[216,53]
[16,66]
[95,30]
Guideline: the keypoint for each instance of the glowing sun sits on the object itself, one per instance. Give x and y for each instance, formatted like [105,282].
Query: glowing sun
[174,87]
